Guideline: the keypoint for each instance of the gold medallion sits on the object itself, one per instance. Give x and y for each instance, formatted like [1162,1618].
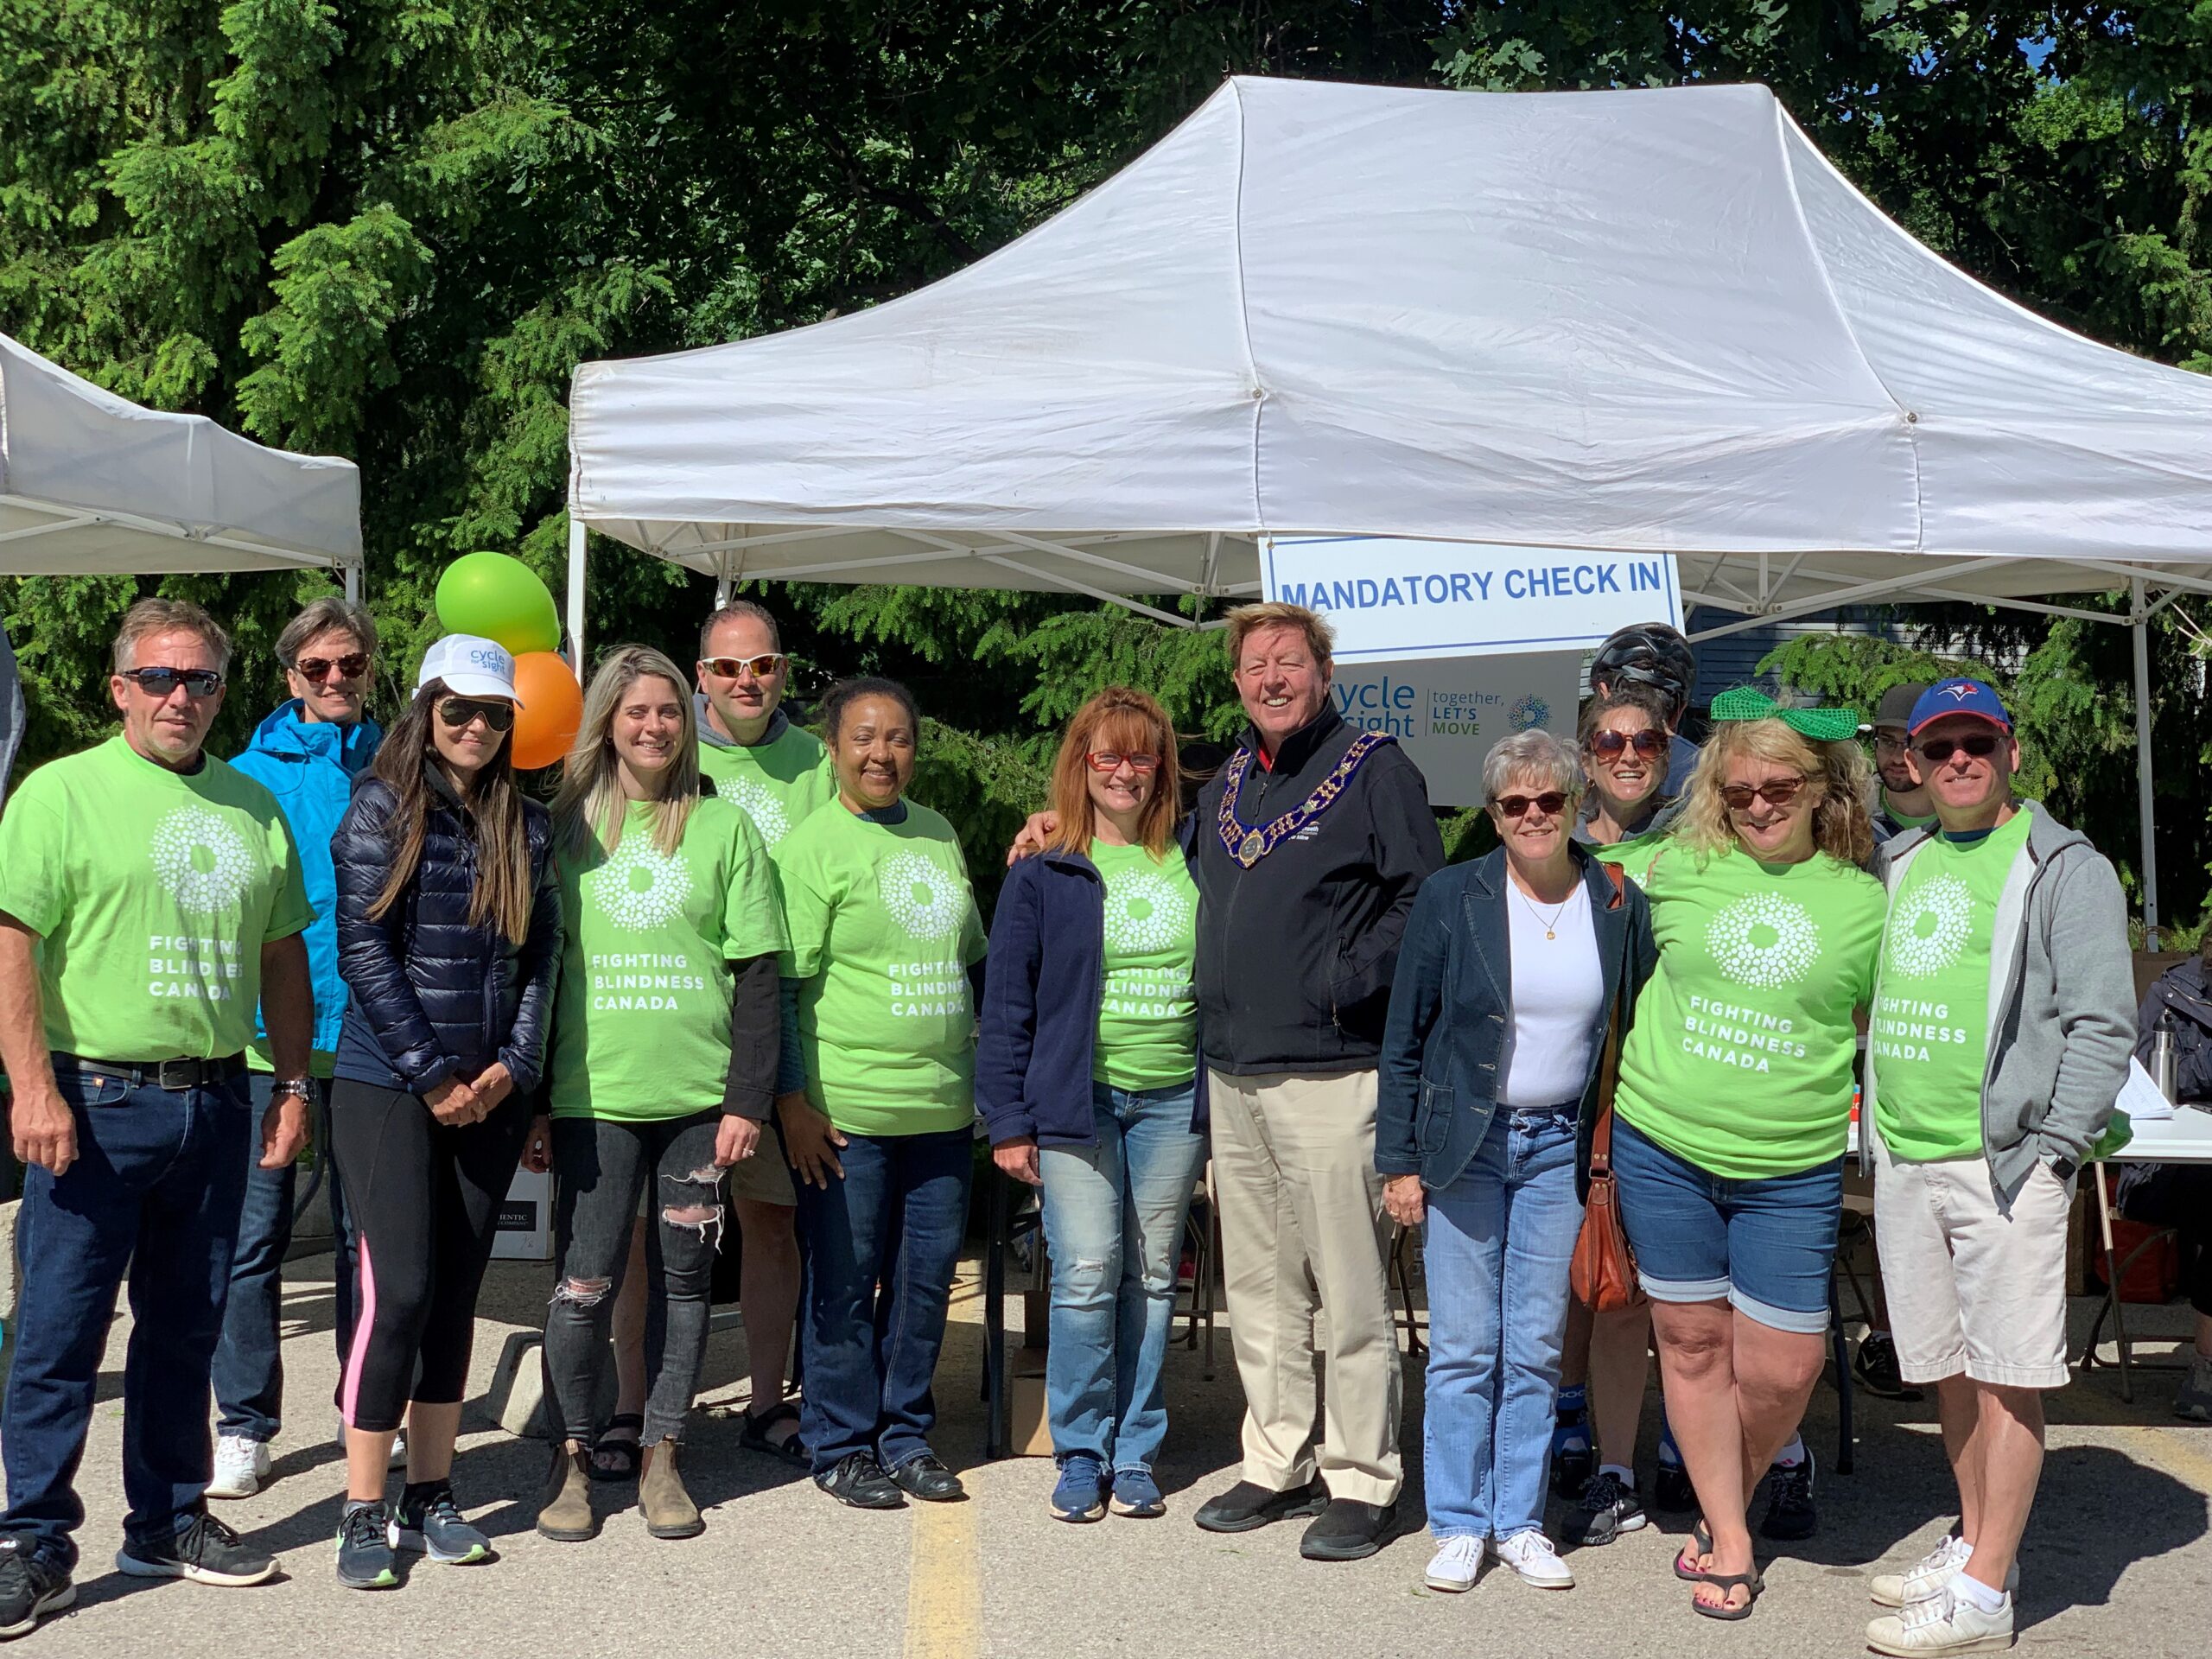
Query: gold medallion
[1252,845]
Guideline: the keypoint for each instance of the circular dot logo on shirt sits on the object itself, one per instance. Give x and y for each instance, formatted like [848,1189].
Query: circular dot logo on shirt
[921,895]
[1764,940]
[640,886]
[757,804]
[1143,913]
[201,859]
[1928,929]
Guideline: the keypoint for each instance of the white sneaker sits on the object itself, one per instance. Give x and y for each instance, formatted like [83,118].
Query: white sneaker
[1455,1564]
[1944,1624]
[1929,1575]
[1530,1555]
[240,1466]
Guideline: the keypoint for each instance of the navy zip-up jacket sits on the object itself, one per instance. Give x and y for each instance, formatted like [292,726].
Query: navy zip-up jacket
[1043,982]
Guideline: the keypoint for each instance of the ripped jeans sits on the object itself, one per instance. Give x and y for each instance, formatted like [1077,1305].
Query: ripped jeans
[600,1166]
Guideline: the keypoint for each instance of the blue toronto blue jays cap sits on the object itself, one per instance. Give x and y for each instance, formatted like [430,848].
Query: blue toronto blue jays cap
[1946,697]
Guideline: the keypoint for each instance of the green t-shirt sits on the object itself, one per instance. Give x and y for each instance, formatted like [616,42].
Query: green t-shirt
[883,926]
[1740,1057]
[153,893]
[777,785]
[642,1030]
[1148,1016]
[1634,854]
[1905,820]
[1930,1031]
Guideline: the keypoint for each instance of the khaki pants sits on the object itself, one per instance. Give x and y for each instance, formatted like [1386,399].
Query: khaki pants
[1302,1231]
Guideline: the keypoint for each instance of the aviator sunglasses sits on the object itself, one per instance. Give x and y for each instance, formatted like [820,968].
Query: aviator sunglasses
[1980,746]
[159,684]
[457,711]
[1551,803]
[1610,745]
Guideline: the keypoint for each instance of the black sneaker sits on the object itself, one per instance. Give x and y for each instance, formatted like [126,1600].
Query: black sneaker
[859,1480]
[1791,1515]
[207,1551]
[1572,1468]
[1347,1530]
[366,1560]
[29,1589]
[1875,1366]
[1249,1505]
[927,1478]
[1606,1509]
[1671,1490]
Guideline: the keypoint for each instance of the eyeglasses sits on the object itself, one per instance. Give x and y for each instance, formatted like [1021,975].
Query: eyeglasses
[1610,745]
[160,684]
[728,668]
[1895,742]
[1108,761]
[1551,803]
[457,711]
[1980,746]
[1779,791]
[316,670]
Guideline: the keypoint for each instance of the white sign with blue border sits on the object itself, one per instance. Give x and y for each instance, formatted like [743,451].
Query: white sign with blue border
[1446,712]
[1391,598]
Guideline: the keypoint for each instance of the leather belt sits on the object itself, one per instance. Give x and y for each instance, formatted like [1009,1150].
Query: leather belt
[175,1075]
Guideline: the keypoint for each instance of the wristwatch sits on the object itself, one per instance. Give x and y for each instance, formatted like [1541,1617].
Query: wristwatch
[301,1087]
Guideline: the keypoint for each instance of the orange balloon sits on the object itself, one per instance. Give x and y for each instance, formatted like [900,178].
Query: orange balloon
[552,709]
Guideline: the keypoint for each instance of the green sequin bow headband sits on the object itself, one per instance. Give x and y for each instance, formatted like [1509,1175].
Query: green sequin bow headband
[1821,724]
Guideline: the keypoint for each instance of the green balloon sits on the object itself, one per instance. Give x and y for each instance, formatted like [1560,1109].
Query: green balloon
[498,597]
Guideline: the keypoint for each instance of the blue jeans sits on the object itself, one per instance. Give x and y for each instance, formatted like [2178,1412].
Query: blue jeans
[1114,1217]
[881,1246]
[155,1193]
[248,1359]
[1500,1238]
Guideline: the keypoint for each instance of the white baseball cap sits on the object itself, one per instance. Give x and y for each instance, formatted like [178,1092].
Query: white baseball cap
[471,666]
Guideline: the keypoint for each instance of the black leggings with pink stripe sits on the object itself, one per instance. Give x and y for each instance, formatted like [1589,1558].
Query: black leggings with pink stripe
[425,1203]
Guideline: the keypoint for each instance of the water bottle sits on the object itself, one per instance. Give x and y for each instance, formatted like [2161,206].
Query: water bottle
[2162,1057]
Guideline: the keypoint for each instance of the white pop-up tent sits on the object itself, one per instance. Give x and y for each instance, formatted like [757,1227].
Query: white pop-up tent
[93,485]
[1633,321]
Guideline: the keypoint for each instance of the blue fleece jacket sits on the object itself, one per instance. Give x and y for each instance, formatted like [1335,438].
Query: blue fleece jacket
[309,766]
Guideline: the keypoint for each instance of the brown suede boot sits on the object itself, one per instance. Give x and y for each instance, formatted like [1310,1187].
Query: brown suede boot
[668,1509]
[564,1511]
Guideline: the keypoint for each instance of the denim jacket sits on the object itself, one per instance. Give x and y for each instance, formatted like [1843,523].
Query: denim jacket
[1444,1046]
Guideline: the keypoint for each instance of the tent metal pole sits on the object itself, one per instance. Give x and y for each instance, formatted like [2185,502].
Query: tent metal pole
[353,584]
[2140,637]
[576,534]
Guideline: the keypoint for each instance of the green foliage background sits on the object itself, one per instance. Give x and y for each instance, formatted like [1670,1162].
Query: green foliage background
[389,229]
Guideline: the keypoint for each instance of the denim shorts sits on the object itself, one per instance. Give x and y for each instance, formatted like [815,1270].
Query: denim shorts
[1767,1247]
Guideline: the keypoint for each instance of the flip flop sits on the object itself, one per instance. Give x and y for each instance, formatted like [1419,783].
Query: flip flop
[631,1454]
[1724,1582]
[1701,1541]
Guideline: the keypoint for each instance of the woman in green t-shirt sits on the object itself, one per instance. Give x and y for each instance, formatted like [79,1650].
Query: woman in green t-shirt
[663,1069]
[883,935]
[1734,1099]
[1087,1075]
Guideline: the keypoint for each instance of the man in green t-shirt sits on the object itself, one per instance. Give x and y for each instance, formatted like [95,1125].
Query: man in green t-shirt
[776,774]
[149,895]
[2003,1021]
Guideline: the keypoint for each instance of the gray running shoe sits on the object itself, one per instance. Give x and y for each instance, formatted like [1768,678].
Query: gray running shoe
[2193,1399]
[432,1525]
[364,1558]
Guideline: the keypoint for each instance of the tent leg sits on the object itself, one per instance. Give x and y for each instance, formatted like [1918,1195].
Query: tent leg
[2139,638]
[353,583]
[576,534]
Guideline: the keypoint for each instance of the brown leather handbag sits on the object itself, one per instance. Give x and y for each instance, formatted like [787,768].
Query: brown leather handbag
[1603,1273]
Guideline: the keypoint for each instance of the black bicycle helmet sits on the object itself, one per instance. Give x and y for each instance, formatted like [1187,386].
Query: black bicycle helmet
[1648,653]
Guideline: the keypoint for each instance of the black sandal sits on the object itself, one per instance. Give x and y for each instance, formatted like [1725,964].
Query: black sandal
[752,1435]
[630,1452]
[1724,1582]
[1701,1539]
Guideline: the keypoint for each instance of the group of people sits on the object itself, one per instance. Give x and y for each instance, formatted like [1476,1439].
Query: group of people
[732,970]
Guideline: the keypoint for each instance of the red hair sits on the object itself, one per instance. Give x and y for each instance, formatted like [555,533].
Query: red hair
[1118,721]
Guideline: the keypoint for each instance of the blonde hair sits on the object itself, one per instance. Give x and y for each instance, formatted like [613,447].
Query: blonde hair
[1117,721]
[1841,828]
[589,806]
[1248,619]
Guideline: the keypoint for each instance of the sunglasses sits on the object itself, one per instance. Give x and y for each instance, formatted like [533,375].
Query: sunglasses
[1108,761]
[728,668]
[1780,792]
[1610,745]
[1980,746]
[1551,803]
[159,684]
[316,670]
[457,711]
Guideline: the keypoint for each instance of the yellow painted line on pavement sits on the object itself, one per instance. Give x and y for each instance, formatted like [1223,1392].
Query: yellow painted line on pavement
[944,1584]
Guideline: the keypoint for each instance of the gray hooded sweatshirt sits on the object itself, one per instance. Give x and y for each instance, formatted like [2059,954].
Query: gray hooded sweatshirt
[2062,1005]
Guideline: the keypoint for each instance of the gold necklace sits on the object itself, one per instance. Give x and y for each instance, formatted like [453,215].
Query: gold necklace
[1550,927]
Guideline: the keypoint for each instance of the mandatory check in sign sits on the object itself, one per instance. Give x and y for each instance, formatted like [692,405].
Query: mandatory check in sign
[1392,598]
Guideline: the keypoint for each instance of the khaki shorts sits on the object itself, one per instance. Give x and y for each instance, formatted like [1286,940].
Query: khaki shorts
[763,1178]
[1971,1289]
